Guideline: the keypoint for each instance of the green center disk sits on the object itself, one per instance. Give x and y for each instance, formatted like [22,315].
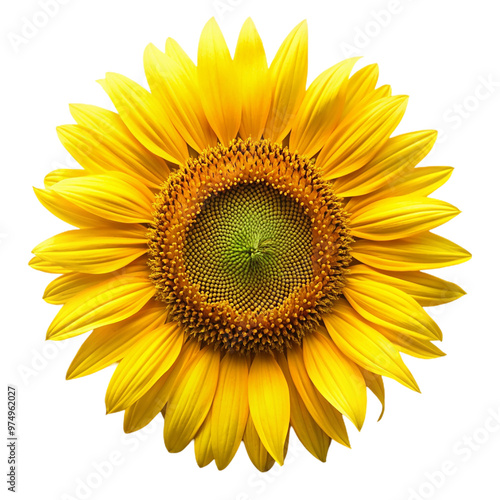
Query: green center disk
[250,246]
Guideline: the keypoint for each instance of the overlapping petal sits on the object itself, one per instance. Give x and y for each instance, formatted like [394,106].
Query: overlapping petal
[219,83]
[257,452]
[113,196]
[269,402]
[414,346]
[360,136]
[108,344]
[288,72]
[314,439]
[101,142]
[251,65]
[68,285]
[362,343]
[336,377]
[375,383]
[426,289]
[108,302]
[321,109]
[229,409]
[142,366]
[154,400]
[203,443]
[67,211]
[359,86]
[177,89]
[143,116]
[46,266]
[398,155]
[60,174]
[423,251]
[191,400]
[420,181]
[95,250]
[325,415]
[400,217]
[388,306]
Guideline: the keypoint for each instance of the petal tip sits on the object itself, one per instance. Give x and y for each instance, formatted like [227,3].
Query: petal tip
[249,22]
[211,24]
[303,25]
[112,406]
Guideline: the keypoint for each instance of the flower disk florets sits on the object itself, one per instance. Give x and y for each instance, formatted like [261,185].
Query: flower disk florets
[249,246]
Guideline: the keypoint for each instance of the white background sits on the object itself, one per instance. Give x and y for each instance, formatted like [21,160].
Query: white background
[440,53]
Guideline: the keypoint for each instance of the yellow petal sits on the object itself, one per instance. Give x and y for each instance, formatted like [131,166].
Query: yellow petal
[219,83]
[96,250]
[400,217]
[417,181]
[360,136]
[68,285]
[66,211]
[388,306]
[288,74]
[310,434]
[111,301]
[362,343]
[251,65]
[203,443]
[372,96]
[426,289]
[46,266]
[177,53]
[111,146]
[141,412]
[325,415]
[144,117]
[321,109]
[191,400]
[115,196]
[423,251]
[152,355]
[188,355]
[336,377]
[399,154]
[145,409]
[359,85]
[60,174]
[375,383]
[229,409]
[117,148]
[108,344]
[269,401]
[413,346]
[256,450]
[177,88]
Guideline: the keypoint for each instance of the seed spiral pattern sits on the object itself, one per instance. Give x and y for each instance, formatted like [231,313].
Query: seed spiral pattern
[249,246]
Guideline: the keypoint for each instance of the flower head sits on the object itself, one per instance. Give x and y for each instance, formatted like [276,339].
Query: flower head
[249,251]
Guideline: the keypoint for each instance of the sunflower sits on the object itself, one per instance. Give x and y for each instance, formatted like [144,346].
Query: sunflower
[248,251]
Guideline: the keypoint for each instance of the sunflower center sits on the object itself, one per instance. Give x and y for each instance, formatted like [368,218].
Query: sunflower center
[248,247]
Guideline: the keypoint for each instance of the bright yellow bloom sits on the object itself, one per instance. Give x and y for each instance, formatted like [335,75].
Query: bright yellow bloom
[247,250]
